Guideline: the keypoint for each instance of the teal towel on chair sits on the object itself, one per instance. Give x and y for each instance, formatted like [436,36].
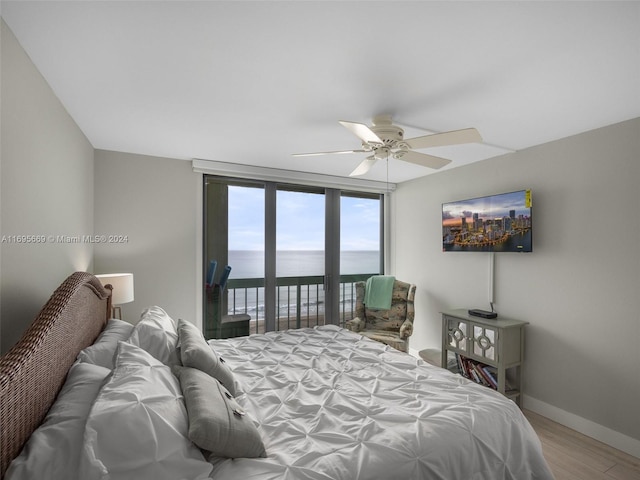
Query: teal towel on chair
[378,292]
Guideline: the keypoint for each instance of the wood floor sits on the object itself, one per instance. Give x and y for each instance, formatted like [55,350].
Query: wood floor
[573,456]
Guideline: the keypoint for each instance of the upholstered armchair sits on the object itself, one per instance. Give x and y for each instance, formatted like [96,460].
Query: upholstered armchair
[392,327]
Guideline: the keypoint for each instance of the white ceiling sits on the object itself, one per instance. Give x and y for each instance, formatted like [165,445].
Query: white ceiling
[253,82]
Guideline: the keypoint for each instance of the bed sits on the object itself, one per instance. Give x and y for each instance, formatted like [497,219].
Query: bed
[84,396]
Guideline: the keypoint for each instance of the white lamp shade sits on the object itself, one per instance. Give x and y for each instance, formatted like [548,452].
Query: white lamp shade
[122,284]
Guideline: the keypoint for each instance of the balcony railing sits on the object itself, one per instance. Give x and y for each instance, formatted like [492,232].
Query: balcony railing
[300,301]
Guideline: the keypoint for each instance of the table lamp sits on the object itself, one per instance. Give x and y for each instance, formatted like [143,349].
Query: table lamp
[122,284]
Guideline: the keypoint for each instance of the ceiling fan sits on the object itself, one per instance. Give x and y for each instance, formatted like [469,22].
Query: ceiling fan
[384,139]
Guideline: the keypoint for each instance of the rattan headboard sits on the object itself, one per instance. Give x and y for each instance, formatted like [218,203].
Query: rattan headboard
[34,370]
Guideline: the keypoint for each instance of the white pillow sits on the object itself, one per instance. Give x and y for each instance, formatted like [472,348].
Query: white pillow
[53,450]
[138,425]
[156,333]
[104,348]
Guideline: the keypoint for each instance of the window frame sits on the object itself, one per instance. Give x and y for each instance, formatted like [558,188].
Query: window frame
[331,247]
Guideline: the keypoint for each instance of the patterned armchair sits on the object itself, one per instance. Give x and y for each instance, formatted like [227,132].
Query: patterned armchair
[392,327]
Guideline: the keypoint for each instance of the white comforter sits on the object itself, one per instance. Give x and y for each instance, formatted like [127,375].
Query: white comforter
[331,404]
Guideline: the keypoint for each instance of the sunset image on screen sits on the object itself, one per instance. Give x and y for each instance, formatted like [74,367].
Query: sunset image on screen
[500,223]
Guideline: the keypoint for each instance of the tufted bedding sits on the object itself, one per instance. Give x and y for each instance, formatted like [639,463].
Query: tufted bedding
[330,404]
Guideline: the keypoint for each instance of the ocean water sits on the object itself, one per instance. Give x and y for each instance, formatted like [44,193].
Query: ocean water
[294,263]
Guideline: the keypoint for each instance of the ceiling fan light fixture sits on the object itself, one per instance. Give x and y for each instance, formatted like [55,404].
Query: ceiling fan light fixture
[381,153]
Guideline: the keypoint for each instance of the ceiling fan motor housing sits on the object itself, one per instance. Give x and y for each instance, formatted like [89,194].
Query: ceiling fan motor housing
[386,130]
[389,134]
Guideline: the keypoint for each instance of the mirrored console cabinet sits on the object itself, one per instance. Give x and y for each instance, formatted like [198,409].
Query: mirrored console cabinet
[487,351]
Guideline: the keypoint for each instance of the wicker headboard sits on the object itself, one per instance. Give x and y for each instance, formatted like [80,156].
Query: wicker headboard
[34,370]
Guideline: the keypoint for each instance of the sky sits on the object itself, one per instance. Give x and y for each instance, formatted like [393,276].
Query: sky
[487,207]
[300,221]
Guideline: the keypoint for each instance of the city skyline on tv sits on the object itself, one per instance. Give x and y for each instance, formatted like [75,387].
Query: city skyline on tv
[500,223]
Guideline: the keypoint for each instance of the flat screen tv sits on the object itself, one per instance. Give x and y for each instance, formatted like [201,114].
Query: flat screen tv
[495,223]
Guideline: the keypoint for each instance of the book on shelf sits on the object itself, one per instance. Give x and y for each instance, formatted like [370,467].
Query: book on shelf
[490,377]
[477,371]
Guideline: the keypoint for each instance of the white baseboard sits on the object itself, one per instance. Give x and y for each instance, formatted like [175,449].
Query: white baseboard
[594,430]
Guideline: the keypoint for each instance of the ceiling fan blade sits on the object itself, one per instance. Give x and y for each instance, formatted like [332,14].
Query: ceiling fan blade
[422,159]
[327,153]
[363,132]
[364,167]
[455,137]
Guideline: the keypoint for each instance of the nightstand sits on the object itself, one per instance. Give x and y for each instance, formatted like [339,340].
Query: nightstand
[488,351]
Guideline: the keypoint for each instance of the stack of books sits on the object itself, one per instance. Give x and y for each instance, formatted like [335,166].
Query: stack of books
[478,371]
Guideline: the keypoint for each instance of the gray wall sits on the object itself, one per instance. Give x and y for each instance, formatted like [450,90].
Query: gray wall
[579,289]
[46,189]
[156,203]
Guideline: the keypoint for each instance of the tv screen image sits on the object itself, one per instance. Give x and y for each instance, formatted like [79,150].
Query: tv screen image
[494,223]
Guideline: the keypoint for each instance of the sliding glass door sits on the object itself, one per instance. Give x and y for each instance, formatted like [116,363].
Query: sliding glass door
[361,245]
[234,230]
[283,244]
[299,255]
